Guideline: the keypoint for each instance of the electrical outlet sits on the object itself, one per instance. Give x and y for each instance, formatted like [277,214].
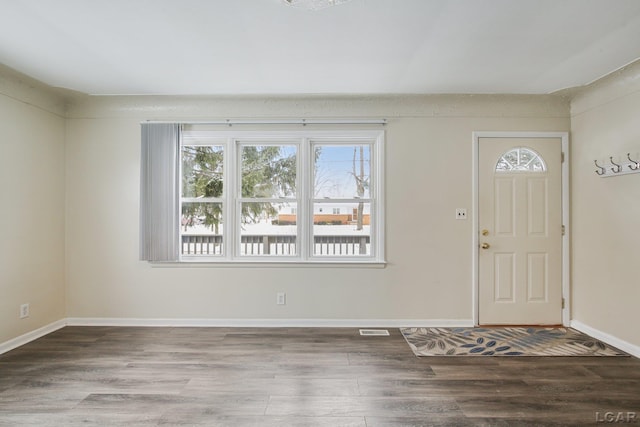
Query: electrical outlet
[281,298]
[461,213]
[24,311]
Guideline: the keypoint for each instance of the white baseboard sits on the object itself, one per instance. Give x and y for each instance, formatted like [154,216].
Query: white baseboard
[271,323]
[625,346]
[31,336]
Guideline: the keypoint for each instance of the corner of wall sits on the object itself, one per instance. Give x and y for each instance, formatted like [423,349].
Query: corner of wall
[605,126]
[613,86]
[32,92]
[32,136]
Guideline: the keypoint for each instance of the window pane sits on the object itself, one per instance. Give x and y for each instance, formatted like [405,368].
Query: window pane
[202,171]
[342,171]
[268,229]
[202,228]
[268,171]
[347,233]
[521,159]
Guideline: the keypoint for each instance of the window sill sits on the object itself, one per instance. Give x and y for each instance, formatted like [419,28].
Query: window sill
[270,264]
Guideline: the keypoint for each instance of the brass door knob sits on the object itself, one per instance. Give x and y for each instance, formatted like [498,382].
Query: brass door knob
[485,232]
[485,246]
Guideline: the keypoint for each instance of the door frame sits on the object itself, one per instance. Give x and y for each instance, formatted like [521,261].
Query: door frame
[566,274]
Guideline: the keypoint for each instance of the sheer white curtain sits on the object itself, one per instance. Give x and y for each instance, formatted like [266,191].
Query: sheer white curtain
[159,191]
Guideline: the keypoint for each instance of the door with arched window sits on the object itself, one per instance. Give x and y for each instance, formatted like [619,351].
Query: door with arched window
[520,225]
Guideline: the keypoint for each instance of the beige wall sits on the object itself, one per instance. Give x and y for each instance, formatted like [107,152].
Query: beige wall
[606,211]
[32,194]
[428,166]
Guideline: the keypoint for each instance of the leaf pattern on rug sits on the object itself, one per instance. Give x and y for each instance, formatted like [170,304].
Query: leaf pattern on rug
[505,342]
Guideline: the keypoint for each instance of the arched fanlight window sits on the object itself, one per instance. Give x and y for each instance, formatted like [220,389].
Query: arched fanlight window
[521,159]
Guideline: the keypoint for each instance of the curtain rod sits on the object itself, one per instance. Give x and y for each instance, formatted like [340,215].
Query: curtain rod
[231,122]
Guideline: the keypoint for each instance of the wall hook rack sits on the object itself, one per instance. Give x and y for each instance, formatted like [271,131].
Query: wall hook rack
[616,168]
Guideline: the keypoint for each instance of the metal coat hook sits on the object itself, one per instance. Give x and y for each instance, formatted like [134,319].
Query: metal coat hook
[617,168]
[611,168]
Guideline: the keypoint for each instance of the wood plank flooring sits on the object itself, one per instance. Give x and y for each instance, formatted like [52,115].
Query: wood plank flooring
[110,376]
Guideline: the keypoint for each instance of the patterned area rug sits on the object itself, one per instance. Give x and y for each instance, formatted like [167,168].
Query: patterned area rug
[505,342]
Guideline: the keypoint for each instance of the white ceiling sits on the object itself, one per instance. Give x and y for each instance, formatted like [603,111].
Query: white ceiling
[362,46]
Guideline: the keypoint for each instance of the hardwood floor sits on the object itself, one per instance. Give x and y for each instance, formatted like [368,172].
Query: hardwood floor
[298,377]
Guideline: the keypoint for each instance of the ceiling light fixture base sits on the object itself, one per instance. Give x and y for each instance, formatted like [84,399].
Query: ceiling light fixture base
[313,4]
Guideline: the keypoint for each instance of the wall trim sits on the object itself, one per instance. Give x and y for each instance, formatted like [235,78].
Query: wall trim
[625,346]
[278,107]
[31,336]
[28,91]
[270,323]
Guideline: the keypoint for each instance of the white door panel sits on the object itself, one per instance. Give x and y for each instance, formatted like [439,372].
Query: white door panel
[520,218]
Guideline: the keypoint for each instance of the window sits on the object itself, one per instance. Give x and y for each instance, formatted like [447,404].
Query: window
[293,196]
[202,199]
[521,159]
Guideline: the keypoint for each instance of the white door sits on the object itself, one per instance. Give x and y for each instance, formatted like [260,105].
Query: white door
[520,225]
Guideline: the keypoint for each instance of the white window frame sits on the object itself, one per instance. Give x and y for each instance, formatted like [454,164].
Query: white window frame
[305,140]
